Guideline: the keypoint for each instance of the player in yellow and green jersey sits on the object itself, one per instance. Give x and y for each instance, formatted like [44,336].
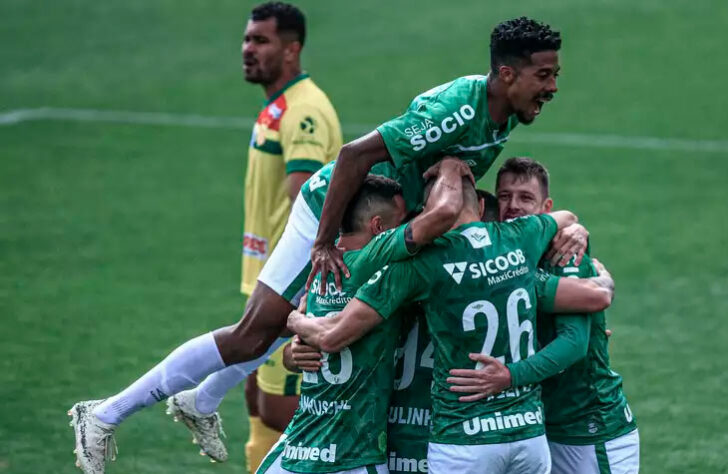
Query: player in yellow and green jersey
[295,134]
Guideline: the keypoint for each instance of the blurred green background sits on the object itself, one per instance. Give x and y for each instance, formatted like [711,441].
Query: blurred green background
[120,241]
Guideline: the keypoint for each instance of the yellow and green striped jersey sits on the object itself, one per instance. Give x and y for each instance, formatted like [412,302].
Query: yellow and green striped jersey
[297,131]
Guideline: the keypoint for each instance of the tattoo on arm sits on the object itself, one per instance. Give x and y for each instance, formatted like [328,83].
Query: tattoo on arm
[409,240]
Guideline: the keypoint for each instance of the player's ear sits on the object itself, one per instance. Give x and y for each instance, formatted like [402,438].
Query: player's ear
[548,205]
[507,74]
[376,225]
[291,51]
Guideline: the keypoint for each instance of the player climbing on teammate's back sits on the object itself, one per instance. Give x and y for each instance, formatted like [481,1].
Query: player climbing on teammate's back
[524,62]
[470,117]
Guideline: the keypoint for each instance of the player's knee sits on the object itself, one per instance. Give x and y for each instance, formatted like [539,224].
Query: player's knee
[241,343]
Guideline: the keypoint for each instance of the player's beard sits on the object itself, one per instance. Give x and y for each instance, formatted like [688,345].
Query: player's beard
[263,76]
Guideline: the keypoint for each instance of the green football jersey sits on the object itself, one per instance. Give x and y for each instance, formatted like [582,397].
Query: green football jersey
[450,119]
[477,285]
[315,188]
[410,408]
[341,421]
[584,404]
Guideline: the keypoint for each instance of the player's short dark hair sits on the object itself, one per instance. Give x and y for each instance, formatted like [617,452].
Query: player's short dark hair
[516,40]
[289,18]
[490,208]
[525,169]
[376,192]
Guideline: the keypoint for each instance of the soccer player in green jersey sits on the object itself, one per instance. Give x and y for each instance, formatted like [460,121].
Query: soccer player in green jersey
[470,117]
[410,404]
[589,425]
[352,387]
[477,285]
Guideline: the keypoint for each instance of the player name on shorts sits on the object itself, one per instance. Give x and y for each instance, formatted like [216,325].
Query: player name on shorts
[409,416]
[512,392]
[498,422]
[310,453]
[406,464]
[322,407]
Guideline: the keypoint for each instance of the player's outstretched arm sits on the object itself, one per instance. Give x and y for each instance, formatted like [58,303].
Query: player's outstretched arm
[334,333]
[564,218]
[578,295]
[569,346]
[584,295]
[352,165]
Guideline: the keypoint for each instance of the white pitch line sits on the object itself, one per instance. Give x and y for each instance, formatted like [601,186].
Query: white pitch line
[12,117]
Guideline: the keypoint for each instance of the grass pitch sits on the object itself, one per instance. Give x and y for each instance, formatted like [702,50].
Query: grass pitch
[120,241]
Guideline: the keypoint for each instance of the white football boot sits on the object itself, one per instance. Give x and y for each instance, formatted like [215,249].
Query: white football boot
[206,429]
[94,439]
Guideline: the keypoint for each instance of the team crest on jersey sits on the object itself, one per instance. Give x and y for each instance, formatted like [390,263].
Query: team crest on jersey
[308,125]
[275,111]
[456,270]
[477,236]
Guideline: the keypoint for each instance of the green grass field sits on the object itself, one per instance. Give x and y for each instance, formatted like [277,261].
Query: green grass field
[120,241]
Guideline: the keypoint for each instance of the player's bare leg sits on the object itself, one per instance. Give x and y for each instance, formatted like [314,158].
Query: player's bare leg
[276,411]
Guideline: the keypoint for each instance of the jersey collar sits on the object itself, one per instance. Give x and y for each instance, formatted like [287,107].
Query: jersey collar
[467,225]
[286,86]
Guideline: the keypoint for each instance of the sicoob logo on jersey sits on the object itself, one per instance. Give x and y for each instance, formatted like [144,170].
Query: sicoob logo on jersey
[308,125]
[497,270]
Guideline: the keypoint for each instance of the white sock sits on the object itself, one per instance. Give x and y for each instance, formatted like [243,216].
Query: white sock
[184,368]
[209,394]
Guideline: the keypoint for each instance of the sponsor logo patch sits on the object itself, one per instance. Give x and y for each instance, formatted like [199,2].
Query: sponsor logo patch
[255,246]
[310,453]
[448,125]
[456,270]
[477,236]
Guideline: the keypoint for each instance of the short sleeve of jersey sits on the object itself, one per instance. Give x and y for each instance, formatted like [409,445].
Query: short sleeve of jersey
[546,286]
[537,232]
[392,287]
[434,121]
[389,246]
[305,136]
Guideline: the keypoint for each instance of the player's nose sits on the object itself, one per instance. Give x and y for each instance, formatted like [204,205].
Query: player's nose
[551,88]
